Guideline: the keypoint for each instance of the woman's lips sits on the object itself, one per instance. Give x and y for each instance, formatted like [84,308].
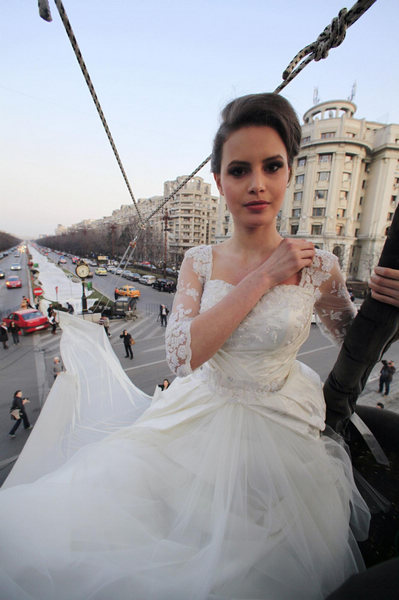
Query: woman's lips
[256,205]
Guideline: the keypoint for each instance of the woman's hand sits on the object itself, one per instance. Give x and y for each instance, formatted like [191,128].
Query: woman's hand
[289,258]
[384,285]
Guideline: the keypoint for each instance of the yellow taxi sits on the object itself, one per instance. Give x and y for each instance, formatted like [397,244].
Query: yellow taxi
[127,290]
[101,271]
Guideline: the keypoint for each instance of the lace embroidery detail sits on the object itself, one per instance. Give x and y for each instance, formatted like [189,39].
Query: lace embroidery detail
[178,341]
[202,260]
[188,290]
[239,391]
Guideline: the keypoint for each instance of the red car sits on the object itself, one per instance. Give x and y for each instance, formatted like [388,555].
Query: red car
[28,320]
[13,282]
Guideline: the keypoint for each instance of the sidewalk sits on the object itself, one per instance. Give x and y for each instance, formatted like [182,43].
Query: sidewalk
[370,395]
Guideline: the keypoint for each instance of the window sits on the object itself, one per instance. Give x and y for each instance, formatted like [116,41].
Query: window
[318,211]
[299,179]
[324,176]
[360,200]
[358,216]
[306,139]
[341,212]
[316,229]
[396,183]
[363,184]
[296,212]
[393,199]
[298,196]
[387,231]
[320,195]
[294,229]
[339,230]
[356,232]
[346,176]
[390,216]
[350,134]
[348,158]
[325,158]
[301,161]
[327,134]
[343,196]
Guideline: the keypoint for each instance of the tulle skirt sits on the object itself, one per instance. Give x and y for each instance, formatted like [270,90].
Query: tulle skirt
[200,499]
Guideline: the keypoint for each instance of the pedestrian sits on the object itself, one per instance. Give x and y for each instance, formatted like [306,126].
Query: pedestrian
[4,335]
[386,375]
[70,308]
[28,304]
[163,313]
[58,367]
[24,303]
[104,321]
[128,342]
[18,413]
[164,385]
[53,322]
[380,405]
[14,328]
[49,310]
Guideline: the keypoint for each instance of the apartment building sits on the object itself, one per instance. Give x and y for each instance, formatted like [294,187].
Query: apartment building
[345,186]
[193,213]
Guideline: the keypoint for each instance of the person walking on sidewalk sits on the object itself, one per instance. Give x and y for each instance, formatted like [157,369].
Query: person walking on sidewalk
[4,335]
[386,375]
[163,313]
[18,413]
[128,342]
[58,367]
[14,332]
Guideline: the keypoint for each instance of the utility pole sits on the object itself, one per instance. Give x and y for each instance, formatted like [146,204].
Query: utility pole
[166,218]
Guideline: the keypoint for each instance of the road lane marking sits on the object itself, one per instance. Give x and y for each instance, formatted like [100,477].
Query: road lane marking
[157,362]
[316,350]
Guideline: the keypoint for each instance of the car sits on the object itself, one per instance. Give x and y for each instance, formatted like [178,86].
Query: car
[28,320]
[164,285]
[2,274]
[127,290]
[62,261]
[13,282]
[147,279]
[15,268]
[135,276]
[101,271]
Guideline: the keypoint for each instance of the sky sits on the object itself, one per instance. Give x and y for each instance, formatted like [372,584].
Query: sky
[162,70]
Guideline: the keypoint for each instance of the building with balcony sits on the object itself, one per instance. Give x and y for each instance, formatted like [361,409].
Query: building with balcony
[345,186]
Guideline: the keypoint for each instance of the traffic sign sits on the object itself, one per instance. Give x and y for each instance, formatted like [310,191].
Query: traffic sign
[37,291]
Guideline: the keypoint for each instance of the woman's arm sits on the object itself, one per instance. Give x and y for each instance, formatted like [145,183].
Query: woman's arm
[193,338]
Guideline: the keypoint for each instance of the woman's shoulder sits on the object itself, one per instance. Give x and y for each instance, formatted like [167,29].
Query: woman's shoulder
[201,257]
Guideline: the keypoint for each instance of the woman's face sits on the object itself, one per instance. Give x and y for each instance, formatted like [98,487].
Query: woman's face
[254,175]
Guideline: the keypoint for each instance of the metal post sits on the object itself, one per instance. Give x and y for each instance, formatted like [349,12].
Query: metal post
[84,299]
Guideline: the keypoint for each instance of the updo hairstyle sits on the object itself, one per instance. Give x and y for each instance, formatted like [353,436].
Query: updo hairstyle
[271,110]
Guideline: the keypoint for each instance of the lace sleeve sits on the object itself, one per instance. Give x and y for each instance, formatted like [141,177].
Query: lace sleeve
[333,307]
[186,305]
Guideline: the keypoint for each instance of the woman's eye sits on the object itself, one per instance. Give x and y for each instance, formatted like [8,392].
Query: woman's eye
[274,166]
[237,171]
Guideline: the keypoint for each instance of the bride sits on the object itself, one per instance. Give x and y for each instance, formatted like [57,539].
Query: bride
[224,488]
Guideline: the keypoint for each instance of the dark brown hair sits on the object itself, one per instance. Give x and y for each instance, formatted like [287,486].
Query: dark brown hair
[271,110]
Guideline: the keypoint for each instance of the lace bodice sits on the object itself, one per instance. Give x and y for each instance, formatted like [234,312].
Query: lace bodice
[263,347]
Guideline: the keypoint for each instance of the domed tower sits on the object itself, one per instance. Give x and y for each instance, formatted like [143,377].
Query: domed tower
[345,185]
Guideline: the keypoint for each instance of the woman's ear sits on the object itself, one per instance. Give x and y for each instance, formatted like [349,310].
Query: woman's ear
[216,177]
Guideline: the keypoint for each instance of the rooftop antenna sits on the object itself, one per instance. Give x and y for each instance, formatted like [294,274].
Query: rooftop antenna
[353,92]
[316,98]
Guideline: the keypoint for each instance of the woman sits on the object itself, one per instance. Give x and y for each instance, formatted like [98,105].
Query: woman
[18,413]
[14,328]
[225,489]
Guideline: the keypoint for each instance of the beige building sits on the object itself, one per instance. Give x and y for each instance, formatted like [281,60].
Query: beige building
[193,213]
[345,186]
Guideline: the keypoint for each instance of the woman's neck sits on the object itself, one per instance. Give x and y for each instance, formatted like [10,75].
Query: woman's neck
[255,242]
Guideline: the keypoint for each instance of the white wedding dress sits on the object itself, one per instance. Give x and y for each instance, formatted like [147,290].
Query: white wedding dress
[219,488]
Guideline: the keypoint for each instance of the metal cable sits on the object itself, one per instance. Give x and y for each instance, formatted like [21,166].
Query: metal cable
[332,36]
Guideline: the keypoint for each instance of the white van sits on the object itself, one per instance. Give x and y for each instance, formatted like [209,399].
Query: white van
[147,279]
